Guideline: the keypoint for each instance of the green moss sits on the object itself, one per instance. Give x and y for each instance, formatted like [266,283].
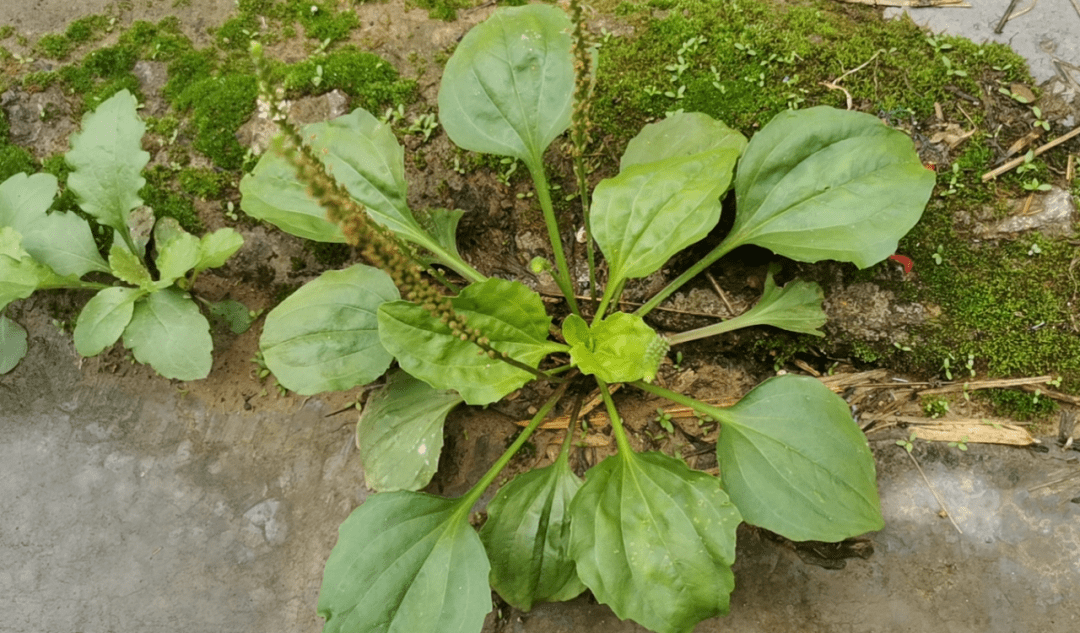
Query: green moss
[442,9]
[370,80]
[187,68]
[325,24]
[743,62]
[1019,405]
[329,254]
[159,194]
[13,159]
[202,183]
[81,31]
[237,32]
[218,106]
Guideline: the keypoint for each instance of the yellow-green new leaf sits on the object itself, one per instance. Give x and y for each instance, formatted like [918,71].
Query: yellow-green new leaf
[406,562]
[178,251]
[217,247]
[126,266]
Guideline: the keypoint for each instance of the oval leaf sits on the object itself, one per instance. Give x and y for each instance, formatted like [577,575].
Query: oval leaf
[324,337]
[272,193]
[217,247]
[823,183]
[681,135]
[178,251]
[406,562]
[168,332]
[510,315]
[400,433]
[527,537]
[107,160]
[795,463]
[12,344]
[656,207]
[655,540]
[104,318]
[508,88]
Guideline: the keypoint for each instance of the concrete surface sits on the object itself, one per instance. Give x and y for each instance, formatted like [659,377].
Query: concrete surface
[1049,31]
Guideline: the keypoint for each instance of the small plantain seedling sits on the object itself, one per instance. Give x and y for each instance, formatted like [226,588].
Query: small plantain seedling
[154,314]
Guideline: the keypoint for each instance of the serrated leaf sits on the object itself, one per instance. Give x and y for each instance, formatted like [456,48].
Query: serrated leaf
[619,348]
[527,537]
[217,247]
[126,266]
[400,433]
[107,161]
[178,251]
[406,562]
[655,208]
[12,344]
[655,540]
[168,332]
[510,315]
[508,87]
[235,314]
[822,183]
[104,318]
[59,240]
[325,337]
[795,463]
[795,307]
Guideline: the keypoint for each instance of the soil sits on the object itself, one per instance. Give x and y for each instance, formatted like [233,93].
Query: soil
[247,460]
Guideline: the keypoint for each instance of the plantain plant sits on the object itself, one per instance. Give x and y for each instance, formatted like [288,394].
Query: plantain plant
[155,314]
[647,535]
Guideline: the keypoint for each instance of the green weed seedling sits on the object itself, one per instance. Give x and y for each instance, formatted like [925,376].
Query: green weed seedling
[155,314]
[811,185]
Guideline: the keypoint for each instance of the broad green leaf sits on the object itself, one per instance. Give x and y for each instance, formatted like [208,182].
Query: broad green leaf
[442,227]
[655,540]
[655,208]
[235,314]
[217,247]
[527,537]
[325,337]
[510,315]
[12,344]
[25,199]
[168,332]
[620,348]
[400,433]
[104,318]
[59,240]
[107,161]
[822,183]
[272,193]
[406,562]
[178,251]
[680,135]
[508,88]
[795,463]
[62,241]
[364,156]
[20,275]
[126,266]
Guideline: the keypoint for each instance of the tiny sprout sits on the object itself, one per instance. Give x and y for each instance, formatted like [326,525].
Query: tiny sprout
[962,444]
[539,265]
[907,444]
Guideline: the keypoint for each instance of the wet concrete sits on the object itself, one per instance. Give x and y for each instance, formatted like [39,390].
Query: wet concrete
[127,505]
